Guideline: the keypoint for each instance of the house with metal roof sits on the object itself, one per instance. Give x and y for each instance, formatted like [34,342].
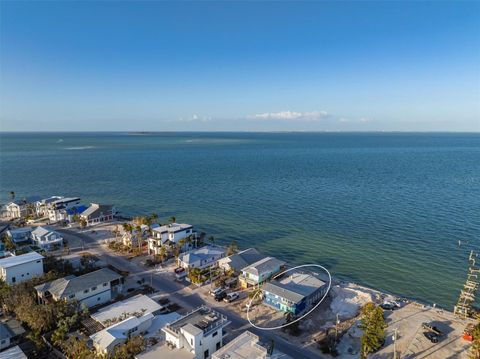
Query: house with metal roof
[42,205]
[296,292]
[260,271]
[57,209]
[21,208]
[90,289]
[201,258]
[46,238]
[98,213]
[169,234]
[240,260]
[107,339]
[21,235]
[16,269]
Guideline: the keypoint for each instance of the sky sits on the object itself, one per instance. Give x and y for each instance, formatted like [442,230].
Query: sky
[239,66]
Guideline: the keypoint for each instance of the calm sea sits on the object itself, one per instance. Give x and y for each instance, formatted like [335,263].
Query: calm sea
[385,210]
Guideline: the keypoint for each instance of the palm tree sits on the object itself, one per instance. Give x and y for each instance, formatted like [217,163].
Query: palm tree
[173,219]
[12,195]
[163,253]
[232,248]
[154,217]
[83,222]
[139,237]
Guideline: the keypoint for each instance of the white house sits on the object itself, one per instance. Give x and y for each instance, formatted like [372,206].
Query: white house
[16,269]
[21,208]
[131,238]
[98,213]
[199,333]
[41,206]
[107,339]
[56,209]
[90,289]
[172,232]
[260,271]
[203,257]
[46,238]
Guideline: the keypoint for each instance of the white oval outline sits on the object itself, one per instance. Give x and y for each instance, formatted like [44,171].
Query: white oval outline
[303,316]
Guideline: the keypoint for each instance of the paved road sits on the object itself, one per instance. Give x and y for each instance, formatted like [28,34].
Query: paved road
[185,298]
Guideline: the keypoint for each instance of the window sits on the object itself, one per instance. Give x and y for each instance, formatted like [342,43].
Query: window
[14,279]
[71,296]
[38,261]
[3,341]
[94,288]
[98,299]
[205,354]
[85,291]
[28,273]
[191,341]
[214,334]
[218,345]
[105,284]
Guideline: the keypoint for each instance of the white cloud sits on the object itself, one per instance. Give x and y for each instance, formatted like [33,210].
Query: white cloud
[195,118]
[290,116]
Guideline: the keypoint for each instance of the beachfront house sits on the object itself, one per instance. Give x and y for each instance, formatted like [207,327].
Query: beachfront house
[295,293]
[42,205]
[260,271]
[245,346]
[169,234]
[196,335]
[131,238]
[16,269]
[46,238]
[21,208]
[56,209]
[201,258]
[236,262]
[98,213]
[20,236]
[90,289]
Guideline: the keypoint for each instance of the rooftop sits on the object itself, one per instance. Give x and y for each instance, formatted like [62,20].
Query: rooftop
[295,286]
[42,230]
[242,347]
[109,335]
[202,319]
[96,209]
[264,265]
[66,286]
[244,258]
[165,352]
[203,253]
[135,304]
[172,227]
[61,201]
[18,260]
[13,353]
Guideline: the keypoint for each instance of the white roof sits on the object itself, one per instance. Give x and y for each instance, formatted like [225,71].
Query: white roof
[13,353]
[172,227]
[41,231]
[204,253]
[117,331]
[131,305]
[18,260]
[245,346]
[165,352]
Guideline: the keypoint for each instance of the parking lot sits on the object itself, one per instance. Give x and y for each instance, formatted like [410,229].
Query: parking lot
[411,341]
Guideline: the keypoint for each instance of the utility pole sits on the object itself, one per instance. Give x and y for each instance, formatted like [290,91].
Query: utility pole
[395,344]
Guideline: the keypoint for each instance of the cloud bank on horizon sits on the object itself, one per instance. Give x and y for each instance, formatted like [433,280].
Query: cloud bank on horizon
[239,66]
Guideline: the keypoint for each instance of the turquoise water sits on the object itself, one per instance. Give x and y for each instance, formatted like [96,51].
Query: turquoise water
[385,210]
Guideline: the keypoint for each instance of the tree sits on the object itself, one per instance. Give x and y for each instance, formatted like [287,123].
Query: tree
[232,248]
[76,348]
[129,349]
[163,253]
[12,195]
[9,245]
[475,348]
[83,222]
[373,326]
[172,219]
[154,218]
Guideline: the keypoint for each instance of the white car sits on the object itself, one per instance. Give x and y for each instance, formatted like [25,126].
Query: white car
[231,297]
[216,291]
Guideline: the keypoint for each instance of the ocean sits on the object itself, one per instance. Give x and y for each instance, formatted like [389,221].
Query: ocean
[398,212]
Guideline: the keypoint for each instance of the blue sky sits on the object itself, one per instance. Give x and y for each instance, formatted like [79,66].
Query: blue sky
[341,66]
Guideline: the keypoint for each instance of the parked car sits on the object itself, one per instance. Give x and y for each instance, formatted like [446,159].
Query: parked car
[220,296]
[387,306]
[432,328]
[431,336]
[216,291]
[231,297]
